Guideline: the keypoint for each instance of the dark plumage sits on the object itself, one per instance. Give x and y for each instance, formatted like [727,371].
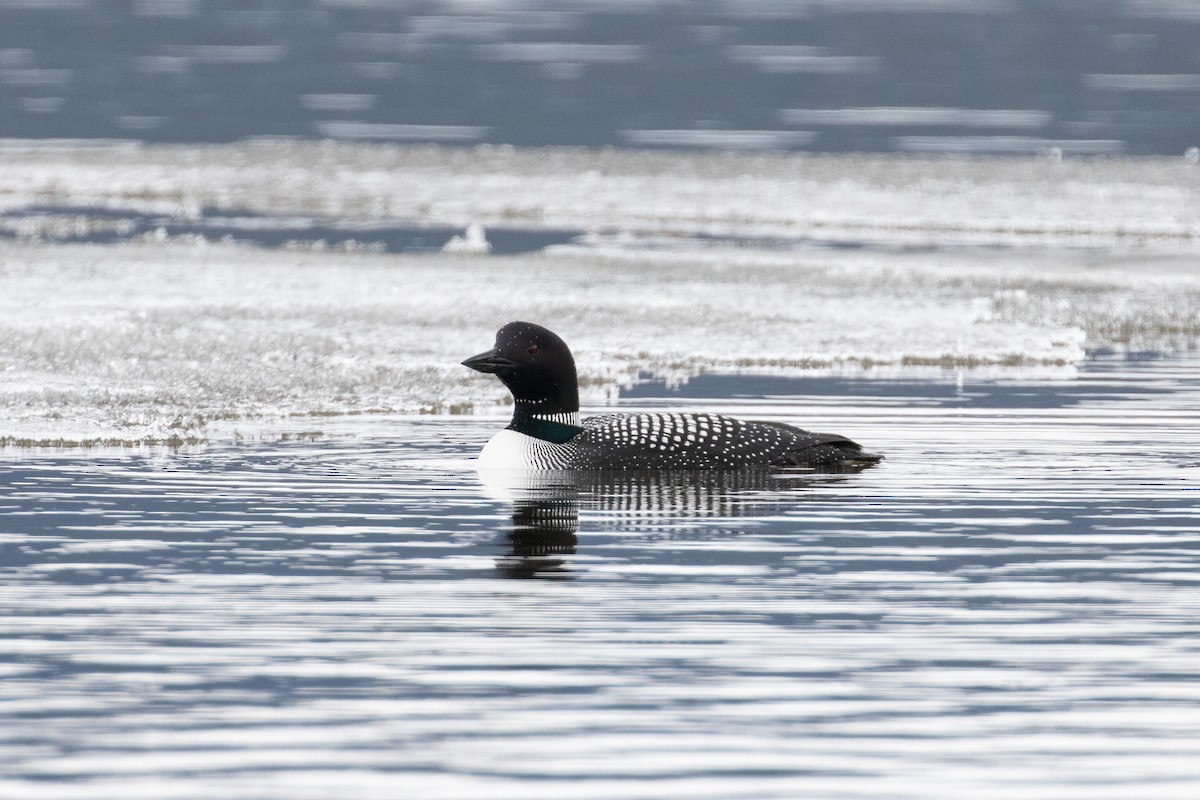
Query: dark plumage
[546,433]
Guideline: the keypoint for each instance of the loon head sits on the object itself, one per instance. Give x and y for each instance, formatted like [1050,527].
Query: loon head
[536,366]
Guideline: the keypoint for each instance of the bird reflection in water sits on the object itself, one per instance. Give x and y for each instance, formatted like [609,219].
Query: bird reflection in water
[546,505]
[543,530]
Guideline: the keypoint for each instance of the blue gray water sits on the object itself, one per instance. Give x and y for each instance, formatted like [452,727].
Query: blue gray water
[1089,76]
[1005,607]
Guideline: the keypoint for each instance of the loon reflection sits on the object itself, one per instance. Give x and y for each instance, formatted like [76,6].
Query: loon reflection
[543,530]
[546,506]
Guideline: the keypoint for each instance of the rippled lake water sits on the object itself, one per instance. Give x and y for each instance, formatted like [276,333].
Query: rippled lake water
[1004,607]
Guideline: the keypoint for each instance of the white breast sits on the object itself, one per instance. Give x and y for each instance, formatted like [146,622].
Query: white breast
[511,450]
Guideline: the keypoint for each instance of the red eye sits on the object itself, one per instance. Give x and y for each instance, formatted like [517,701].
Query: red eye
[533,350]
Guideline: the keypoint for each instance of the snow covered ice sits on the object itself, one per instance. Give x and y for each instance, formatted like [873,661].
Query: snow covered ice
[685,264]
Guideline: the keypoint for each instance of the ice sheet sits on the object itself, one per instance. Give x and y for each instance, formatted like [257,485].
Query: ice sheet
[933,201]
[692,264]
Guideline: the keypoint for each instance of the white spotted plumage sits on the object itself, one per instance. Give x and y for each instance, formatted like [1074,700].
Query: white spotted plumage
[668,441]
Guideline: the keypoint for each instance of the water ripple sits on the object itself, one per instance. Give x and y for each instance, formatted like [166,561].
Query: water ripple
[1005,606]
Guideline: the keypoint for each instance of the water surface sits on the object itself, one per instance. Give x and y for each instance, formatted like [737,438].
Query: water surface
[869,75]
[1004,607]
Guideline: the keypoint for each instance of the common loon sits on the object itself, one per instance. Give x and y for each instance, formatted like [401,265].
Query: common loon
[547,434]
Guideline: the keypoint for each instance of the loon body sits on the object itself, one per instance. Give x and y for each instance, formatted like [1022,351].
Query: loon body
[546,432]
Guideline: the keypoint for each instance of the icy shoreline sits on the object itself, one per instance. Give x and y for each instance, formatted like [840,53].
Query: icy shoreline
[158,339]
[154,342]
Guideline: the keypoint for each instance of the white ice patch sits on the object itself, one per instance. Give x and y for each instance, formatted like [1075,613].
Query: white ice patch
[472,242]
